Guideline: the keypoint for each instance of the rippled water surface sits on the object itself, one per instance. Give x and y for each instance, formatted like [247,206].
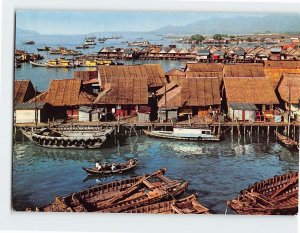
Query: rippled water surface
[216,171]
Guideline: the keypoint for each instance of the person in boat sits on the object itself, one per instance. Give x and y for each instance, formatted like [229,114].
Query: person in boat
[113,166]
[98,166]
[131,162]
[105,165]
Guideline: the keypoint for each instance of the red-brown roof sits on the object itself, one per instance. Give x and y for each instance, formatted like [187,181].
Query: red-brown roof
[125,91]
[200,91]
[67,92]
[153,72]
[86,75]
[23,91]
[289,88]
[253,90]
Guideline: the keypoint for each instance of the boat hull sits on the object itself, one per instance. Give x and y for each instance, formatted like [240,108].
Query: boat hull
[162,134]
[124,168]
[71,142]
[275,196]
[35,64]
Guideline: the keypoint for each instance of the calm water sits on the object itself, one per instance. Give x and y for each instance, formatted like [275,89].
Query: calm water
[217,172]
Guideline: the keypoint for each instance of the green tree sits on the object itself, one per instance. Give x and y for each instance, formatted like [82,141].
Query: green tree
[217,37]
[198,37]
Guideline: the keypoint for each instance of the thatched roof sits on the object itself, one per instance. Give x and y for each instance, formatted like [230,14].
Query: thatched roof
[175,75]
[254,90]
[165,88]
[23,91]
[67,92]
[204,67]
[200,91]
[153,72]
[218,74]
[244,70]
[176,72]
[289,88]
[276,74]
[282,64]
[125,91]
[172,99]
[86,75]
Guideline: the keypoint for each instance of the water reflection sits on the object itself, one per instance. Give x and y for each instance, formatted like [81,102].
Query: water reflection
[216,171]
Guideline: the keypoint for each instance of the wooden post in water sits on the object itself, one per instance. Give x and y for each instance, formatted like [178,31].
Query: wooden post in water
[268,131]
[294,132]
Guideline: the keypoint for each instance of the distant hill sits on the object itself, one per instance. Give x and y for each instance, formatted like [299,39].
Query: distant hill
[237,25]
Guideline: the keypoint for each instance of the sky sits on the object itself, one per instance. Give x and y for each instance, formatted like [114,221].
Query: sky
[81,22]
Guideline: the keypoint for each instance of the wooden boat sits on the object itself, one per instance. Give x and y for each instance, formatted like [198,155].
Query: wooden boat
[120,196]
[29,42]
[68,138]
[287,142]
[46,48]
[278,195]
[189,134]
[187,205]
[82,47]
[59,63]
[120,168]
[37,64]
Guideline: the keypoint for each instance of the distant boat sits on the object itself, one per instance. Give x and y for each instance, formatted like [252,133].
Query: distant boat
[59,63]
[89,41]
[46,48]
[82,46]
[37,64]
[29,42]
[184,133]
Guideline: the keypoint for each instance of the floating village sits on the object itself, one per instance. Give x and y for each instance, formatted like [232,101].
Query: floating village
[225,88]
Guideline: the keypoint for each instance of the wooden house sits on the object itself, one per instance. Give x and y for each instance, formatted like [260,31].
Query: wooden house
[275,54]
[31,112]
[203,56]
[192,96]
[239,55]
[218,56]
[64,97]
[169,103]
[123,96]
[249,98]
[105,52]
[23,91]
[276,69]
[173,53]
[289,92]
[199,94]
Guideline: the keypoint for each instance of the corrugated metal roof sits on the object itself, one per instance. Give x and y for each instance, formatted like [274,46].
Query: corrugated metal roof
[243,106]
[31,105]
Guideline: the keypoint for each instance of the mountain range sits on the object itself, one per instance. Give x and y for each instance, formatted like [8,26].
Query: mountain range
[237,25]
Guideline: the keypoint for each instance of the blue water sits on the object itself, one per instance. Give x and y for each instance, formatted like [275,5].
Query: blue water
[216,171]
[41,76]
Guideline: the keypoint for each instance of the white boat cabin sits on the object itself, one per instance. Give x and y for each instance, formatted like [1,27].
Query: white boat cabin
[192,132]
